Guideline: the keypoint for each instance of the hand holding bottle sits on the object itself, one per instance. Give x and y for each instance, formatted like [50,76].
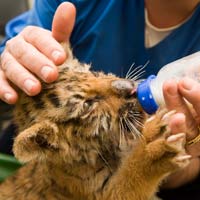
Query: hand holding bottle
[177,86]
[186,120]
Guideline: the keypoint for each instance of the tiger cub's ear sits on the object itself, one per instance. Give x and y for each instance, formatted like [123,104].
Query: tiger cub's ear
[36,141]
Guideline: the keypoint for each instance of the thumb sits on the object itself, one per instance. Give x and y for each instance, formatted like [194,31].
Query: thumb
[63,21]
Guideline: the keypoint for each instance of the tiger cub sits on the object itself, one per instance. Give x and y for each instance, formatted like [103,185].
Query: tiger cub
[82,138]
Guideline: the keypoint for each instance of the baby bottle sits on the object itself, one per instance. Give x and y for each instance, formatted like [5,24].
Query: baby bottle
[149,91]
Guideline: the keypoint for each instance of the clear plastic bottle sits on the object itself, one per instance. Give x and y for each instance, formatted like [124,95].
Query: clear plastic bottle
[149,91]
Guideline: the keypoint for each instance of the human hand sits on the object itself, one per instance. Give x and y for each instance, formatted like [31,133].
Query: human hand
[186,120]
[33,53]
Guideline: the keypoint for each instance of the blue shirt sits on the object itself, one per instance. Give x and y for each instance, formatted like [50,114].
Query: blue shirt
[109,34]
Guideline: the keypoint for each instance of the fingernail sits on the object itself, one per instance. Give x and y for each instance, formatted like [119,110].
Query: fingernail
[46,71]
[8,97]
[187,84]
[56,55]
[29,84]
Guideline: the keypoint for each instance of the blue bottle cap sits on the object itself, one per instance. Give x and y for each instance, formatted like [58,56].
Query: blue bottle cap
[145,96]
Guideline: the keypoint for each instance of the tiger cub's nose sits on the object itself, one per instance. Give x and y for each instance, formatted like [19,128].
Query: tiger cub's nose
[126,88]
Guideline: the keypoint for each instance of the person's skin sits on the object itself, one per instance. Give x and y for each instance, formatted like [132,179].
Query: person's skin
[45,50]
[38,51]
[168,13]
[184,120]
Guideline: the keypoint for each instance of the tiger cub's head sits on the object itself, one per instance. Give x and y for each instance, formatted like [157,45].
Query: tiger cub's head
[82,111]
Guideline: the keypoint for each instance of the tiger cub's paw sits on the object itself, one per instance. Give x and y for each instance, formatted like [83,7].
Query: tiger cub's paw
[167,154]
[157,125]
[177,143]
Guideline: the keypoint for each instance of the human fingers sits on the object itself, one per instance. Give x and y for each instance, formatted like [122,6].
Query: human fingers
[34,50]
[42,40]
[178,125]
[19,75]
[28,52]
[29,57]
[7,93]
[63,22]
[190,90]
[184,122]
[175,101]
